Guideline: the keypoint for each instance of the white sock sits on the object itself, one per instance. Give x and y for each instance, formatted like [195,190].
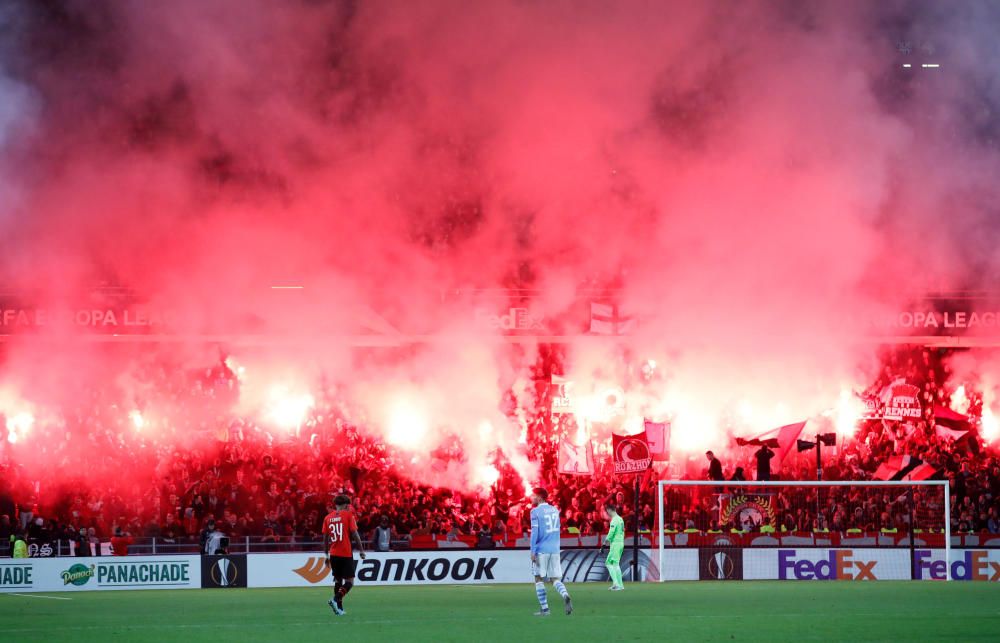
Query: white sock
[561,588]
[542,598]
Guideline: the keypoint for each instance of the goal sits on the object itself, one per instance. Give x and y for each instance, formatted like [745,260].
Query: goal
[820,530]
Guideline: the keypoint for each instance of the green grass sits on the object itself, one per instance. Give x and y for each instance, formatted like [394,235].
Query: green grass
[706,611]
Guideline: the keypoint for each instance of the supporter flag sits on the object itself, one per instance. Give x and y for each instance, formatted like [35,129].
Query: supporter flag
[897,467]
[921,472]
[788,436]
[946,417]
[607,319]
[945,433]
[658,439]
[576,459]
[901,400]
[781,439]
[631,453]
[560,395]
[771,443]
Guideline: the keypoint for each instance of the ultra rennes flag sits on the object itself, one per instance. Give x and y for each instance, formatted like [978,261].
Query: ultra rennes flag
[658,439]
[576,459]
[607,319]
[631,453]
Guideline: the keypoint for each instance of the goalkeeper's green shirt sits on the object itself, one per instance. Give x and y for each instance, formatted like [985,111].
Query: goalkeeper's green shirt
[616,533]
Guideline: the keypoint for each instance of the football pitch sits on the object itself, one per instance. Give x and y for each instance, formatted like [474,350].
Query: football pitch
[695,611]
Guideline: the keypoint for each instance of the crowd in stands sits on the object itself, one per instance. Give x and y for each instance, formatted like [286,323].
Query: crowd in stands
[117,477]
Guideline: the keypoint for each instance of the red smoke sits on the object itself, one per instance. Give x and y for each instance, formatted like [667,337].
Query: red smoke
[752,177]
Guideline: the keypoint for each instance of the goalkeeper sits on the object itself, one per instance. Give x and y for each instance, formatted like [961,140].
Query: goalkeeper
[615,540]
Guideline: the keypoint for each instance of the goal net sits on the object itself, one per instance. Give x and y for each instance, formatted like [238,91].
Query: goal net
[803,530]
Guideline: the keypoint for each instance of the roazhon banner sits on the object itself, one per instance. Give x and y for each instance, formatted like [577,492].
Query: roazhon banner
[631,453]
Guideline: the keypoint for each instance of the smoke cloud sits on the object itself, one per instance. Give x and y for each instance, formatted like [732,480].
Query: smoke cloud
[752,178]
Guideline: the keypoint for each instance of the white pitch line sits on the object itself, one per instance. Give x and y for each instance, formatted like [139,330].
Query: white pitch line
[51,598]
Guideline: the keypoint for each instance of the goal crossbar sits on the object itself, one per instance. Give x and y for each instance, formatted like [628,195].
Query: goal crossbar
[661,484]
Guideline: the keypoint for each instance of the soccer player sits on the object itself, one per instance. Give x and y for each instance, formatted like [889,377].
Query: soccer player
[545,561]
[615,541]
[339,530]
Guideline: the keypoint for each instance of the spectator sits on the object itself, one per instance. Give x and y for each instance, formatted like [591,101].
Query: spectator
[81,543]
[6,532]
[20,549]
[120,542]
[714,467]
[421,530]
[499,534]
[206,534]
[763,457]
[217,542]
[95,542]
[382,540]
[484,538]
[27,512]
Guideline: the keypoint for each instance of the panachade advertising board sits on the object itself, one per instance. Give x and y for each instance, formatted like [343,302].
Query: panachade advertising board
[89,574]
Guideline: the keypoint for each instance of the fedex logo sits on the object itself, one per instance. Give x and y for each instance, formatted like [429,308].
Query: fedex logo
[514,319]
[839,564]
[974,565]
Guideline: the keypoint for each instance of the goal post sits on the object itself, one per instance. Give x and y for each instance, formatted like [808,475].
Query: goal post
[785,530]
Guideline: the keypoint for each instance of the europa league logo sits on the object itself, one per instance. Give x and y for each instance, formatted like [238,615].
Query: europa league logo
[224,573]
